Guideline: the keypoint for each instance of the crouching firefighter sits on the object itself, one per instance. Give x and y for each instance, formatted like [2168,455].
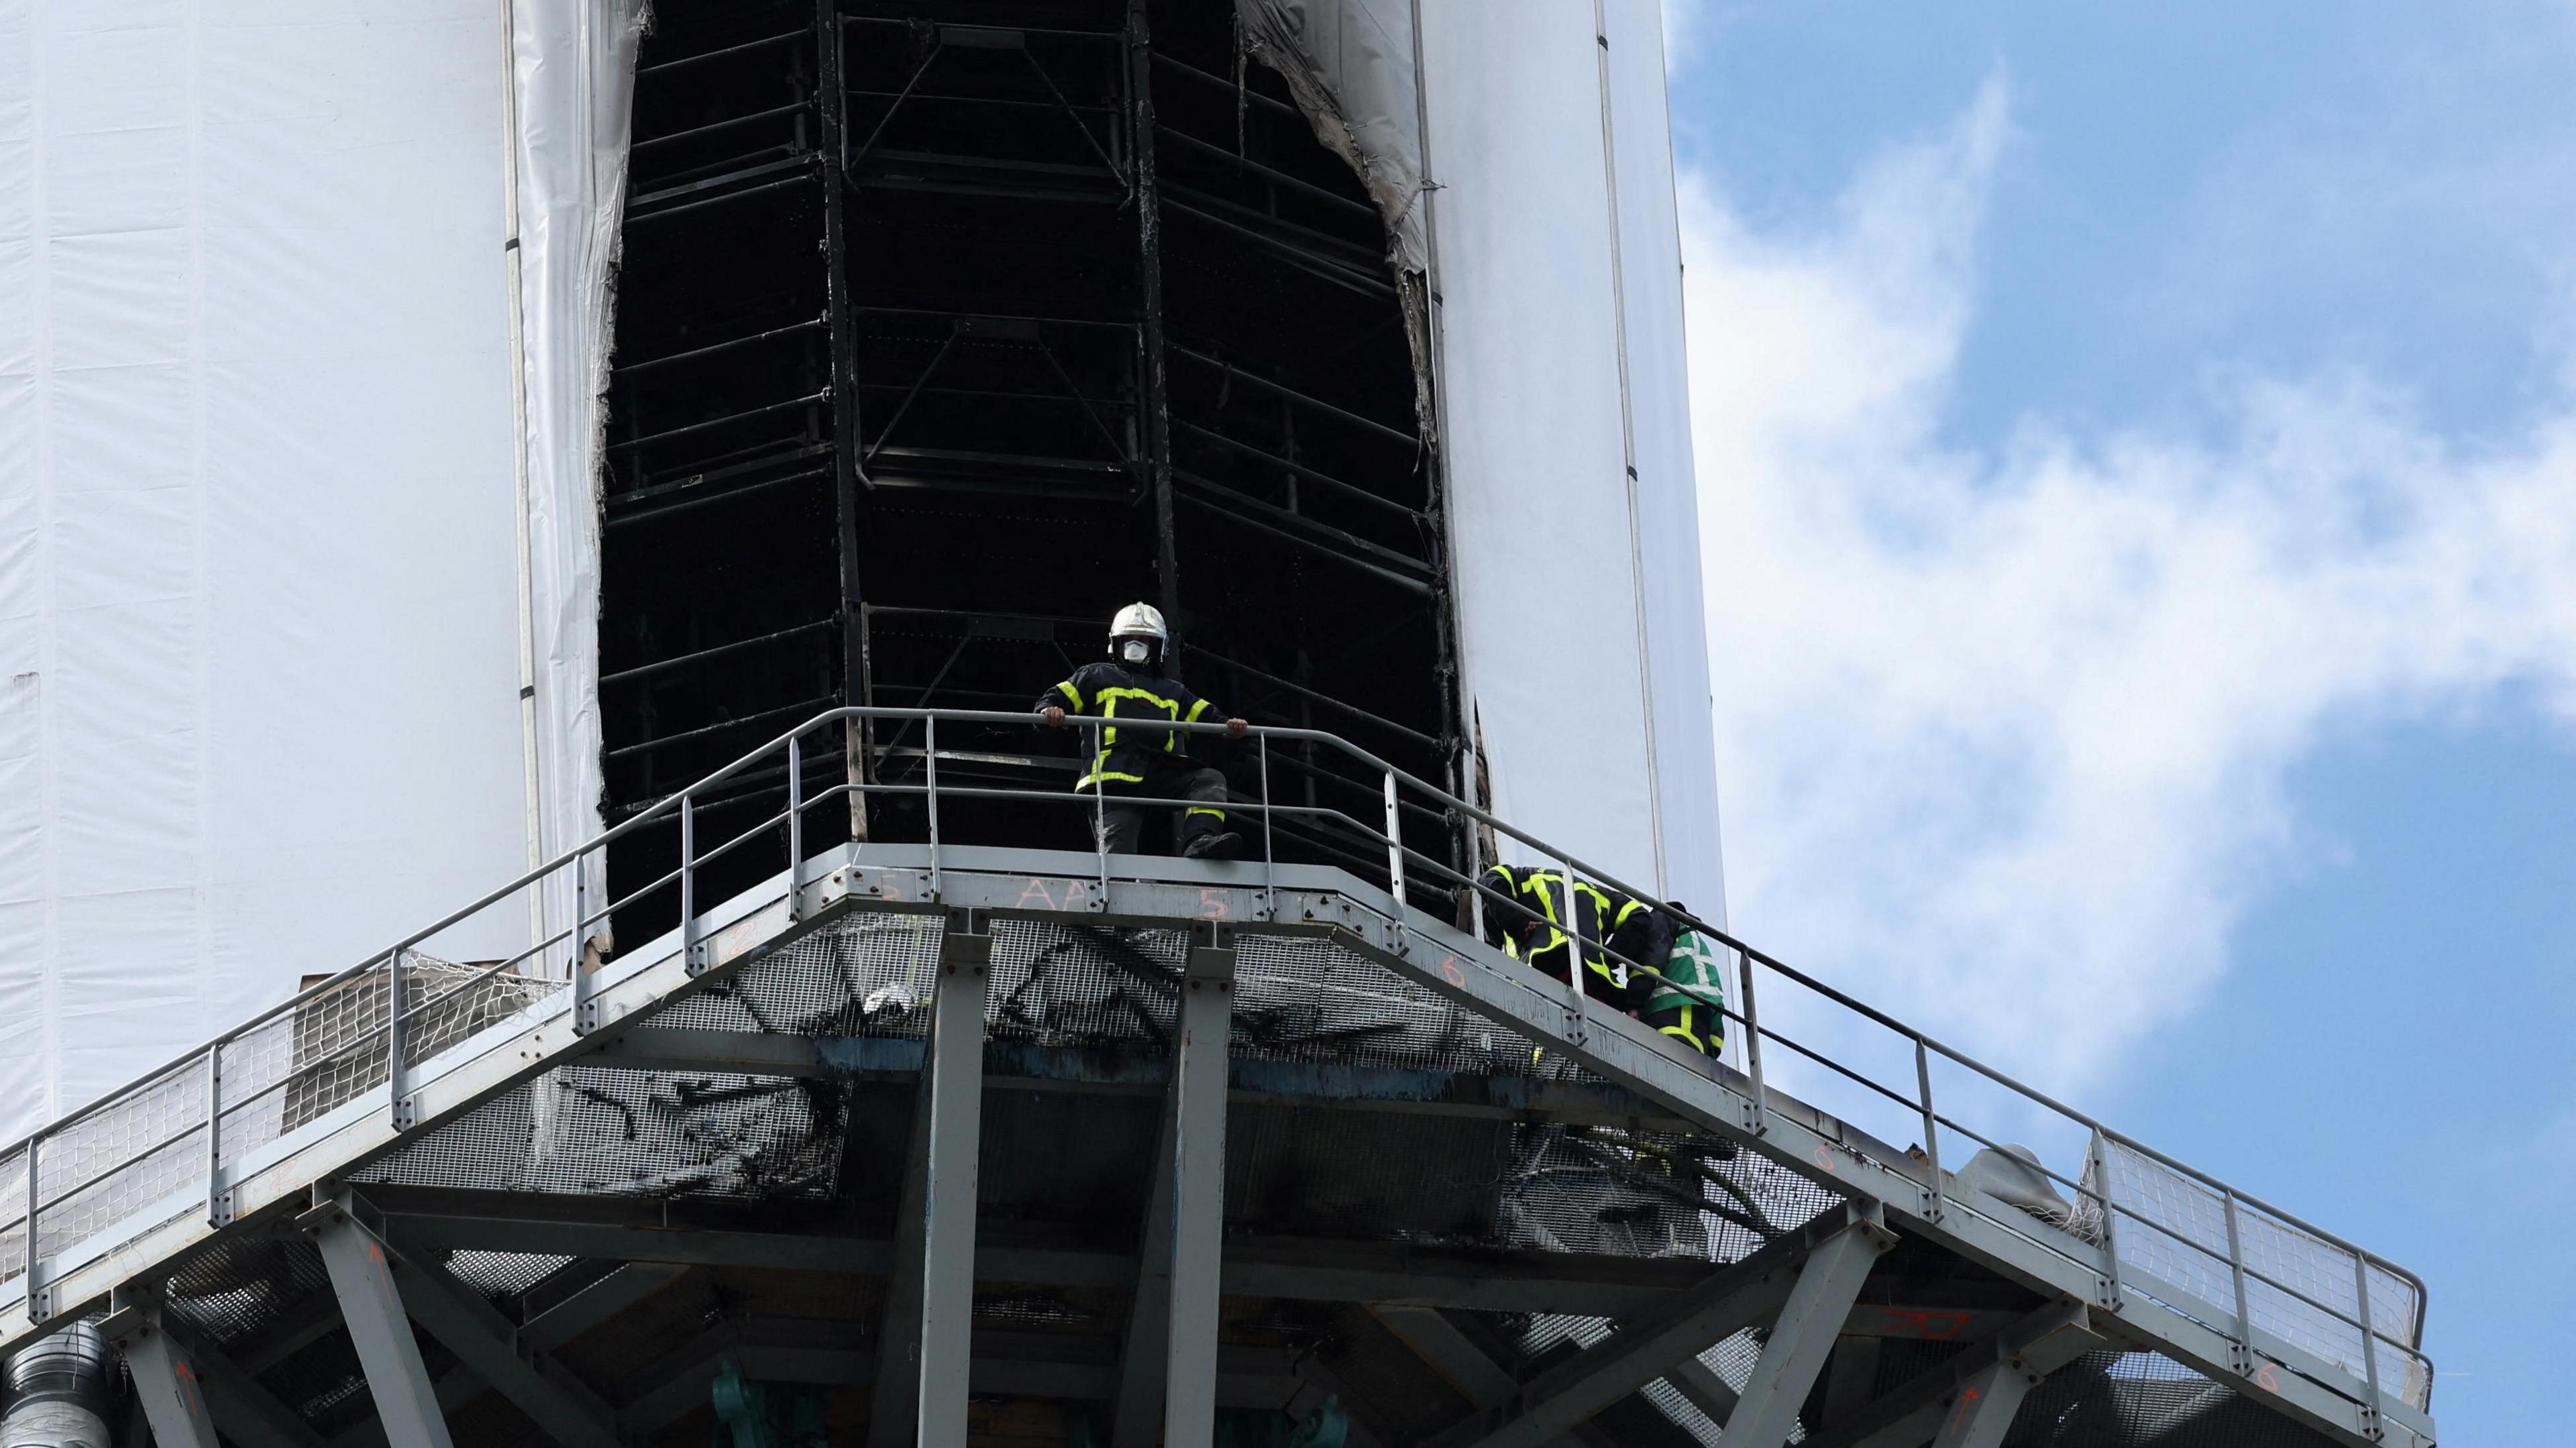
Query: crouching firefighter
[1142,764]
[1689,1003]
[1531,923]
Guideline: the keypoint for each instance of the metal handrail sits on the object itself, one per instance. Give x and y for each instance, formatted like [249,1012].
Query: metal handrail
[681,806]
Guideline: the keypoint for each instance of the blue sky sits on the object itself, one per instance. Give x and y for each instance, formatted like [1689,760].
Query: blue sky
[2138,464]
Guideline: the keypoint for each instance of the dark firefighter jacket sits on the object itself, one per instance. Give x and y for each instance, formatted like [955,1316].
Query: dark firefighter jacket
[1532,928]
[1114,691]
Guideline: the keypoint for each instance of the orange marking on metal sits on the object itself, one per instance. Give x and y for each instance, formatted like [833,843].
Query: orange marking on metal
[1934,1325]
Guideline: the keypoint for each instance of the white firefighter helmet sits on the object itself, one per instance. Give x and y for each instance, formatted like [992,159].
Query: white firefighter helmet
[1138,621]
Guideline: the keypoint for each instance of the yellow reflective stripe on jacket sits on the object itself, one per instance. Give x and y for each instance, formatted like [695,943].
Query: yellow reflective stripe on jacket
[1171,709]
[1682,1029]
[1069,691]
[1196,710]
[1535,884]
[1100,770]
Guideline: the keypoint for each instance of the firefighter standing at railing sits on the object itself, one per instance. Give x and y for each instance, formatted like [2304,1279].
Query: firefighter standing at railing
[1145,763]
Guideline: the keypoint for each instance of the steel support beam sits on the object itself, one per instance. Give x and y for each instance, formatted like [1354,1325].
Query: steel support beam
[2003,1367]
[597,1303]
[1804,1335]
[246,1413]
[1810,1281]
[1299,1269]
[1136,1415]
[487,1344]
[1437,1341]
[1708,1392]
[167,1379]
[955,1083]
[1851,1379]
[1985,1407]
[830,1354]
[1198,1200]
[896,1400]
[1464,1363]
[372,1306]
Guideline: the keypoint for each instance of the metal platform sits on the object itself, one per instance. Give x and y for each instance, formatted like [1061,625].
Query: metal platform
[1000,1146]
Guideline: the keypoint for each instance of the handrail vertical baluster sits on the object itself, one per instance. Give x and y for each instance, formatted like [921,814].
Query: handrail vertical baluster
[35,1288]
[394,1082]
[1394,856]
[2110,1220]
[1761,1122]
[2236,1274]
[1931,1123]
[689,884]
[1100,803]
[930,793]
[1269,850]
[795,830]
[1571,927]
[2369,1342]
[216,1213]
[580,947]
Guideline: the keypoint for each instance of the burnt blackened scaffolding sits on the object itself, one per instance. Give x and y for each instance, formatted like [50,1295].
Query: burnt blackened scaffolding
[936,317]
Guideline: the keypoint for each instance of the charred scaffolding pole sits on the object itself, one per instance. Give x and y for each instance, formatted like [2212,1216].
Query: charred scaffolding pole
[1148,199]
[831,105]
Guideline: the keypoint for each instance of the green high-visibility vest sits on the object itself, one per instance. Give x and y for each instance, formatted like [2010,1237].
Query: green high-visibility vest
[1696,963]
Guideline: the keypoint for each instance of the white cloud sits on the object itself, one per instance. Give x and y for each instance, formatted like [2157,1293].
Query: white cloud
[2003,736]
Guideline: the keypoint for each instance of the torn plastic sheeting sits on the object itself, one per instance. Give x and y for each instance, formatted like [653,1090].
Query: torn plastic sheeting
[1350,64]
[1531,364]
[574,67]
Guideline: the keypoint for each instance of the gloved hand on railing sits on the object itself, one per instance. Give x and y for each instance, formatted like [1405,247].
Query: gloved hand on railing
[1053,714]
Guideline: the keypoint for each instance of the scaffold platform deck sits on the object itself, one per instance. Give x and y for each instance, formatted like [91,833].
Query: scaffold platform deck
[997,1145]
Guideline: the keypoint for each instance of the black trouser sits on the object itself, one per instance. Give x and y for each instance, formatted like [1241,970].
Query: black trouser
[1699,1027]
[1122,822]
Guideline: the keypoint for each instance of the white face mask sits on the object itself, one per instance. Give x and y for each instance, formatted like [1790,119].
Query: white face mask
[1136,651]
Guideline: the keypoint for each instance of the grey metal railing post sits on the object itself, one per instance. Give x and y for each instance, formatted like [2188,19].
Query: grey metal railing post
[1269,850]
[930,792]
[35,1288]
[1100,803]
[689,960]
[1931,1124]
[580,947]
[2236,1273]
[1394,855]
[795,831]
[1572,928]
[219,1211]
[397,1114]
[1761,1104]
[2110,1220]
[2369,1342]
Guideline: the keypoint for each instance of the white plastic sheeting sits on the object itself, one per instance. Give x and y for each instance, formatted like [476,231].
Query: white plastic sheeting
[1579,593]
[258,692]
[574,65]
